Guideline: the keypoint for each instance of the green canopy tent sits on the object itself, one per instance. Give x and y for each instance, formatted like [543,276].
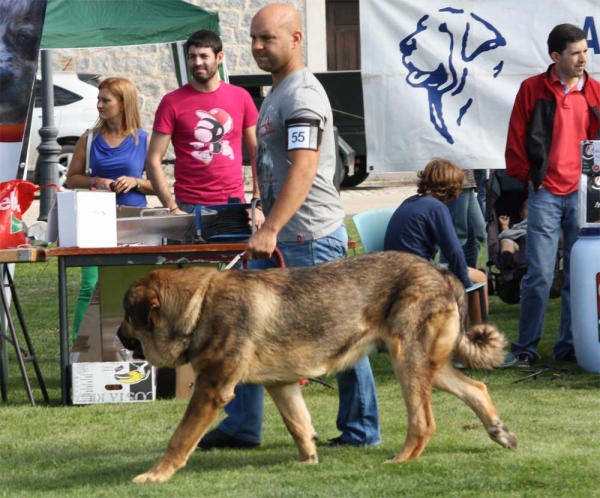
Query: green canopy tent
[71,24]
[118,23]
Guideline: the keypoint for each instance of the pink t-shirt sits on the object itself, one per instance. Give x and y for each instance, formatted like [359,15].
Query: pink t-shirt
[206,131]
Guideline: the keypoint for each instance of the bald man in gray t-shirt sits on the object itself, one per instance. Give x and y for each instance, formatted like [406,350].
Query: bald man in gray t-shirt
[297,115]
[295,162]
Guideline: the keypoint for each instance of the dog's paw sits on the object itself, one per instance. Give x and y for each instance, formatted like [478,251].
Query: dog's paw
[309,460]
[502,435]
[161,472]
[153,476]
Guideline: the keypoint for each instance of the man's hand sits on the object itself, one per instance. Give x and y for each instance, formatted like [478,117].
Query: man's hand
[504,222]
[178,211]
[261,245]
[259,217]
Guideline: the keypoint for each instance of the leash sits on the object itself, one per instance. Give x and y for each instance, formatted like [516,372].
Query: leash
[234,261]
[318,381]
[277,256]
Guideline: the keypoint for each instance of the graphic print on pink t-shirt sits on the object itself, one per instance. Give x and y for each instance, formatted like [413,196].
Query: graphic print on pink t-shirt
[210,133]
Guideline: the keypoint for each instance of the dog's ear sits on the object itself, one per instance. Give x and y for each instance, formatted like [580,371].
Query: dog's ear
[153,309]
[142,304]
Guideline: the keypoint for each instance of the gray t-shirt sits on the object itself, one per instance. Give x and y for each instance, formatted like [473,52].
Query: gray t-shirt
[299,95]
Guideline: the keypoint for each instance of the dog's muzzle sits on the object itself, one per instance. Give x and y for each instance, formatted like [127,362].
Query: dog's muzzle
[131,343]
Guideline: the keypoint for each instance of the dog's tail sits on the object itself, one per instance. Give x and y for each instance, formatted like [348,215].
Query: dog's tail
[481,346]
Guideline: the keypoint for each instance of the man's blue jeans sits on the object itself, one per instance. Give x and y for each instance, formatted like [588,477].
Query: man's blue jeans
[358,413]
[547,214]
[481,191]
[469,224]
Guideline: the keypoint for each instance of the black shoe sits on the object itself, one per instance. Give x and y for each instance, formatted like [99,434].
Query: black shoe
[336,441]
[522,360]
[217,439]
[570,357]
[508,260]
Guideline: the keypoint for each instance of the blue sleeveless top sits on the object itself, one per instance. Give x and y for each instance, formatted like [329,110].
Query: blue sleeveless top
[127,159]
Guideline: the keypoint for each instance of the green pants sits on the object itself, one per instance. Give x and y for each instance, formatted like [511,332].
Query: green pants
[89,278]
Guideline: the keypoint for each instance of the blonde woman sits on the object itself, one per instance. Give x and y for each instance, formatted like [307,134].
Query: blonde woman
[118,148]
[117,153]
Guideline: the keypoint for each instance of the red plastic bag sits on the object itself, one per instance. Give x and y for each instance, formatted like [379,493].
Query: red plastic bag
[15,198]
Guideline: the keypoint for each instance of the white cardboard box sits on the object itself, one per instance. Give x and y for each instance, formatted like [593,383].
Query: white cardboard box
[87,219]
[113,382]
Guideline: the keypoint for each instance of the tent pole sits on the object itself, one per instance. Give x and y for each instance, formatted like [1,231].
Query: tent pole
[49,147]
[179,62]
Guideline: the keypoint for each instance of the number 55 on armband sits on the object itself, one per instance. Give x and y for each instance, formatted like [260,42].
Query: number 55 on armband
[303,134]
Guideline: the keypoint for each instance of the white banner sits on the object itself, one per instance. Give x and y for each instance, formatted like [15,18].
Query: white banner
[440,77]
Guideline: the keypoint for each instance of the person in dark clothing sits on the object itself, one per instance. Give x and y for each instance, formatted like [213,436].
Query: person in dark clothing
[512,240]
[422,225]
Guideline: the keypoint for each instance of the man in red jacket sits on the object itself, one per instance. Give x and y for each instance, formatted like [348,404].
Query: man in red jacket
[553,112]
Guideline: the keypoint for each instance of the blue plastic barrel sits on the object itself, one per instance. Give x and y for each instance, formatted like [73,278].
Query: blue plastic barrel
[585,298]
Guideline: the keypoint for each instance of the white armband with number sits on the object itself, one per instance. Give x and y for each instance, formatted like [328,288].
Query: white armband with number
[303,134]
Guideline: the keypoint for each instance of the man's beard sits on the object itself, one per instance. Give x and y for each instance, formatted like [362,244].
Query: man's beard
[203,78]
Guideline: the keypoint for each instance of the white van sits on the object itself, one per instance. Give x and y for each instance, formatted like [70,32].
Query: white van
[75,97]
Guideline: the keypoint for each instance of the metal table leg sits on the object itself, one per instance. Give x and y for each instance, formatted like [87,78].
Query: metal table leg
[15,341]
[3,372]
[63,332]
[30,351]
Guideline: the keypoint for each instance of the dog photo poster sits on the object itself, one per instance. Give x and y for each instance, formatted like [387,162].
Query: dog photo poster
[21,23]
[440,77]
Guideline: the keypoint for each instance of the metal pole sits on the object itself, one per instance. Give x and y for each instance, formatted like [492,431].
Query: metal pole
[49,147]
[4,344]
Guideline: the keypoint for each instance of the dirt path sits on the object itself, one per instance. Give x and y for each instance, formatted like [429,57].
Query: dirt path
[372,194]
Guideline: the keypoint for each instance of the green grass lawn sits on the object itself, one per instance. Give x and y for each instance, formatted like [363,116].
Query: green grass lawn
[96,450]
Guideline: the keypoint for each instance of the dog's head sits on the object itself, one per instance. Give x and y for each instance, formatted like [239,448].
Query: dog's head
[20,33]
[441,55]
[162,311]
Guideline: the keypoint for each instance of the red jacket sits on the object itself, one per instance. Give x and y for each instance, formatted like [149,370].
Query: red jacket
[530,128]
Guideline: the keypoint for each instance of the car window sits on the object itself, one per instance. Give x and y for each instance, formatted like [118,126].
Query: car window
[90,79]
[61,96]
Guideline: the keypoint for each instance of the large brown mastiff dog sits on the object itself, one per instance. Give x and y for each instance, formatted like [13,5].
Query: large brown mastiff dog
[274,327]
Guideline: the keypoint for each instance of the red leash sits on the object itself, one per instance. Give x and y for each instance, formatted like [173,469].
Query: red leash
[277,256]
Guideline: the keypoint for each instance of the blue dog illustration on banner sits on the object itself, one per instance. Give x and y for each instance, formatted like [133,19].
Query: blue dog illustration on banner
[463,37]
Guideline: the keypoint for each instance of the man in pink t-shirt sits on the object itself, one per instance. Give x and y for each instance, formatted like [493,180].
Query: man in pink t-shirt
[205,120]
